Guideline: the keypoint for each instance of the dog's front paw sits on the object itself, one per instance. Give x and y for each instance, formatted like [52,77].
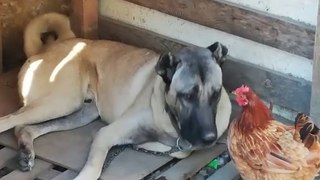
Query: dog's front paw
[180,155]
[26,159]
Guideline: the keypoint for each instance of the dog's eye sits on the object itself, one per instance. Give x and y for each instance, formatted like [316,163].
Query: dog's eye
[215,96]
[217,93]
[186,96]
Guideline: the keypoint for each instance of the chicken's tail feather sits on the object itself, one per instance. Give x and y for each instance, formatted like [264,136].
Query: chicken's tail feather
[306,130]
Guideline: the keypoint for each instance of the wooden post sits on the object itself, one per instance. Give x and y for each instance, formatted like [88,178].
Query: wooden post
[1,60]
[84,18]
[315,95]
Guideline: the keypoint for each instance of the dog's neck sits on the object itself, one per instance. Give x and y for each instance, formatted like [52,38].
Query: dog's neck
[163,121]
[158,106]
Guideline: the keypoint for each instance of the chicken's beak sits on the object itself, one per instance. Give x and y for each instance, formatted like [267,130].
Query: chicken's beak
[233,92]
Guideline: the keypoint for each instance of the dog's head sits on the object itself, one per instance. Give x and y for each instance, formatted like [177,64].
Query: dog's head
[193,79]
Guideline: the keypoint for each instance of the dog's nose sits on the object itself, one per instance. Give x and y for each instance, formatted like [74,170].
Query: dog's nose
[209,138]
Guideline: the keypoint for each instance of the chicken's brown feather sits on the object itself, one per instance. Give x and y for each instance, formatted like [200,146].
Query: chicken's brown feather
[263,148]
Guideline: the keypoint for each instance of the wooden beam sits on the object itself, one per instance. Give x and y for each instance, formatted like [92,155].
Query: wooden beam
[303,11]
[281,33]
[1,60]
[84,18]
[315,93]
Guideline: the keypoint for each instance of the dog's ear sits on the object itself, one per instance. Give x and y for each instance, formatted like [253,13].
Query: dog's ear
[166,67]
[219,52]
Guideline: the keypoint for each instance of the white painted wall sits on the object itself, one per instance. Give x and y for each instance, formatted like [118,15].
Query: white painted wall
[300,10]
[185,31]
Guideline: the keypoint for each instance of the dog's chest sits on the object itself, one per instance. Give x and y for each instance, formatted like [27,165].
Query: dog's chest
[110,109]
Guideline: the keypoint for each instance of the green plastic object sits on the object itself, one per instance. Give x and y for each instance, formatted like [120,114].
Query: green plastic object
[214,164]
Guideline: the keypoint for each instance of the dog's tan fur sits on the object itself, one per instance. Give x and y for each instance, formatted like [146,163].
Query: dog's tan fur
[51,22]
[58,77]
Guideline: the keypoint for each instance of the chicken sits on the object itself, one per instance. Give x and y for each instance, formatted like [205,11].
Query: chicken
[265,149]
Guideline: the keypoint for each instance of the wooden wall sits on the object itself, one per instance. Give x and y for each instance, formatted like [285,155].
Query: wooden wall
[291,37]
[268,51]
[272,54]
[14,15]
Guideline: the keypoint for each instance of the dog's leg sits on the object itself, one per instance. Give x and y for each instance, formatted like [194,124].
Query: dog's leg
[42,110]
[26,134]
[126,130]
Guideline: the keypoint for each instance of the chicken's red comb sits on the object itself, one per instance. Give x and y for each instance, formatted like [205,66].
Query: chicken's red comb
[242,89]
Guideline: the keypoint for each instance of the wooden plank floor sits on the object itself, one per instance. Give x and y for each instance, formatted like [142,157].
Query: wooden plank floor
[61,155]
[227,172]
[186,168]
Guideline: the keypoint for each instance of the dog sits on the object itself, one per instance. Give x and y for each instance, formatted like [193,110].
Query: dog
[173,103]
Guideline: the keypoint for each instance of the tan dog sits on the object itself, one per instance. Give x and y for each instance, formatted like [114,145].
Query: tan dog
[172,103]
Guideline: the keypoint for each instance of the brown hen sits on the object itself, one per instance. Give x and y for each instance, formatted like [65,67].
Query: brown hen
[265,149]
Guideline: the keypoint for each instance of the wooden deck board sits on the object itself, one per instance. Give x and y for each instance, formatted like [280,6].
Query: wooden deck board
[69,149]
[5,155]
[67,175]
[226,172]
[137,168]
[186,168]
[48,175]
[19,175]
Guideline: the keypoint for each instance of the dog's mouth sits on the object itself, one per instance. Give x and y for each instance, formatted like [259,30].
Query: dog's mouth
[185,145]
[202,146]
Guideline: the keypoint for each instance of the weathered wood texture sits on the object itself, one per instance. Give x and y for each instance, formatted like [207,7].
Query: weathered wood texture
[69,149]
[19,175]
[229,172]
[48,174]
[188,167]
[281,90]
[125,168]
[273,31]
[1,58]
[315,100]
[84,18]
[67,175]
[9,168]
[5,155]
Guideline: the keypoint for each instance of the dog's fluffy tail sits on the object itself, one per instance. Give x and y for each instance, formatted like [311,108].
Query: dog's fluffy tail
[54,23]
